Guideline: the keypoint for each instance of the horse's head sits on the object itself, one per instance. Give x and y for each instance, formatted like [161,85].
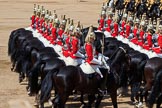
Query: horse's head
[119,4]
[120,56]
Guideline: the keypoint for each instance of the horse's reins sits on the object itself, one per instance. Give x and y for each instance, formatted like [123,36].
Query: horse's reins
[123,49]
[102,59]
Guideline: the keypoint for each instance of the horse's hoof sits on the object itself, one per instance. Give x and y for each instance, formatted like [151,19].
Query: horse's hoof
[29,93]
[12,69]
[36,105]
[139,105]
[82,106]
[20,80]
[75,97]
[27,88]
[50,102]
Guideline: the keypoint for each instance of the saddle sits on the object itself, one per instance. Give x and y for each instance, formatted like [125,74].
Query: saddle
[90,69]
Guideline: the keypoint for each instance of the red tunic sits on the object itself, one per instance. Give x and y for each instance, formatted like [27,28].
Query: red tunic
[41,22]
[109,22]
[32,20]
[115,33]
[141,34]
[160,40]
[122,28]
[37,22]
[101,25]
[159,49]
[149,42]
[108,25]
[135,38]
[123,25]
[68,43]
[66,52]
[53,30]
[60,32]
[140,40]
[50,25]
[127,32]
[75,47]
[89,52]
[135,32]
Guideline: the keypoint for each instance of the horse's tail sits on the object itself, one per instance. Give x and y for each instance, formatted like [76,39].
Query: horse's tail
[33,77]
[9,42]
[141,67]
[46,86]
[18,67]
[11,39]
[156,88]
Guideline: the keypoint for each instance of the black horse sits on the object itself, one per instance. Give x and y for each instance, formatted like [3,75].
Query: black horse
[136,73]
[16,39]
[131,7]
[119,8]
[141,9]
[21,44]
[72,78]
[24,62]
[40,68]
[119,5]
[152,74]
[156,91]
[154,12]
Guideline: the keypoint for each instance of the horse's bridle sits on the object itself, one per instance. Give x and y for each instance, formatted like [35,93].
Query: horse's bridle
[123,49]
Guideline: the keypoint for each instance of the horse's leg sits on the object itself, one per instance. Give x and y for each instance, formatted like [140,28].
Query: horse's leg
[132,95]
[159,101]
[155,91]
[62,101]
[82,100]
[113,95]
[55,101]
[36,104]
[98,100]
[13,65]
[61,98]
[91,99]
[21,77]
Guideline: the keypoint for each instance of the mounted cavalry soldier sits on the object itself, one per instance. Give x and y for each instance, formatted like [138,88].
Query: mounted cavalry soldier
[148,38]
[54,33]
[109,21]
[158,47]
[33,16]
[91,63]
[135,32]
[72,53]
[101,21]
[108,24]
[61,31]
[42,20]
[141,33]
[67,37]
[128,27]
[37,19]
[115,28]
[122,25]
[75,43]
[46,25]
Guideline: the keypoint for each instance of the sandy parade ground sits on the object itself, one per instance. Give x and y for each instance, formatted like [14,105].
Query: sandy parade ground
[16,14]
